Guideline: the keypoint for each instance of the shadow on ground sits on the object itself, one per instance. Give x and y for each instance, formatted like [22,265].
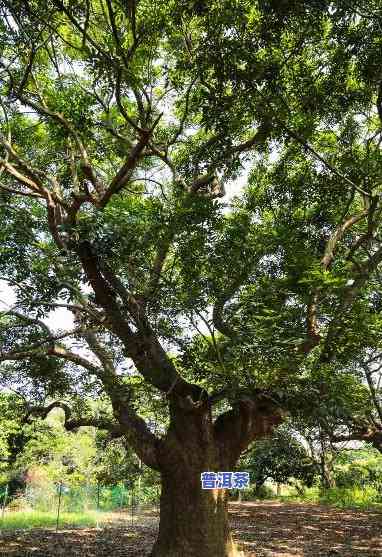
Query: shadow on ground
[266,529]
[271,529]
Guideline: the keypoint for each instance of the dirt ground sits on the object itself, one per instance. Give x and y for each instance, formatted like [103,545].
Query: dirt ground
[266,529]
[271,529]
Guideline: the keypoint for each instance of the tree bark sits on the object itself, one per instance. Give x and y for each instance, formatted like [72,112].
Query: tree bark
[193,521]
[327,480]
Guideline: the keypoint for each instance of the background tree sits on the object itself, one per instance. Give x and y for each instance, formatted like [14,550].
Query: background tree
[361,468]
[363,422]
[281,458]
[123,123]
[12,436]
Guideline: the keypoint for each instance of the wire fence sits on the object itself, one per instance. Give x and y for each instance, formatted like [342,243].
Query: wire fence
[60,505]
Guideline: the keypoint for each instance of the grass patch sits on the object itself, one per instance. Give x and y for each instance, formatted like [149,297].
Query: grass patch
[21,520]
[310,495]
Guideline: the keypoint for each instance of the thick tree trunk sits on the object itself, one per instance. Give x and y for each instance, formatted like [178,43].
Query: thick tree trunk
[193,522]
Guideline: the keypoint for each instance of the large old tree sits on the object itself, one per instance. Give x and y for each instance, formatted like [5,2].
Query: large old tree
[123,125]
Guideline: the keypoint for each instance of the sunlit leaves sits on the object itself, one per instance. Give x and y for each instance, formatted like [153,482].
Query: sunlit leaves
[301,78]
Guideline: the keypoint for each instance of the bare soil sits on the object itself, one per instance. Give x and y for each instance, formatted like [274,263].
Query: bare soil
[264,529]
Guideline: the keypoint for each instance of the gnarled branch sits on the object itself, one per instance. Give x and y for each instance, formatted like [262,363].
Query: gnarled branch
[252,417]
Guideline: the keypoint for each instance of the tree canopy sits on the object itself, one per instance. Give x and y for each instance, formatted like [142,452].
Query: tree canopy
[125,129]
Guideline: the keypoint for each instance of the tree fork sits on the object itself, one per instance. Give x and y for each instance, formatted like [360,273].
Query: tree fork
[194,521]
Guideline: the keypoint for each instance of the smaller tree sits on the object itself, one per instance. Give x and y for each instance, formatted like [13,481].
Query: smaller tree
[14,437]
[359,468]
[362,411]
[282,458]
[116,462]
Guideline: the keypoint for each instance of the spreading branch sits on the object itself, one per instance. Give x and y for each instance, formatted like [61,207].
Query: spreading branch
[142,347]
[72,423]
[125,173]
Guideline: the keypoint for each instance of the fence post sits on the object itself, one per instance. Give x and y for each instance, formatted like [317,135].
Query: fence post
[4,502]
[97,524]
[132,504]
[59,504]
[139,493]
[121,494]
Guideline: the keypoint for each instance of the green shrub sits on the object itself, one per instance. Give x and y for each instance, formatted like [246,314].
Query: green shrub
[359,497]
[343,497]
[360,474]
